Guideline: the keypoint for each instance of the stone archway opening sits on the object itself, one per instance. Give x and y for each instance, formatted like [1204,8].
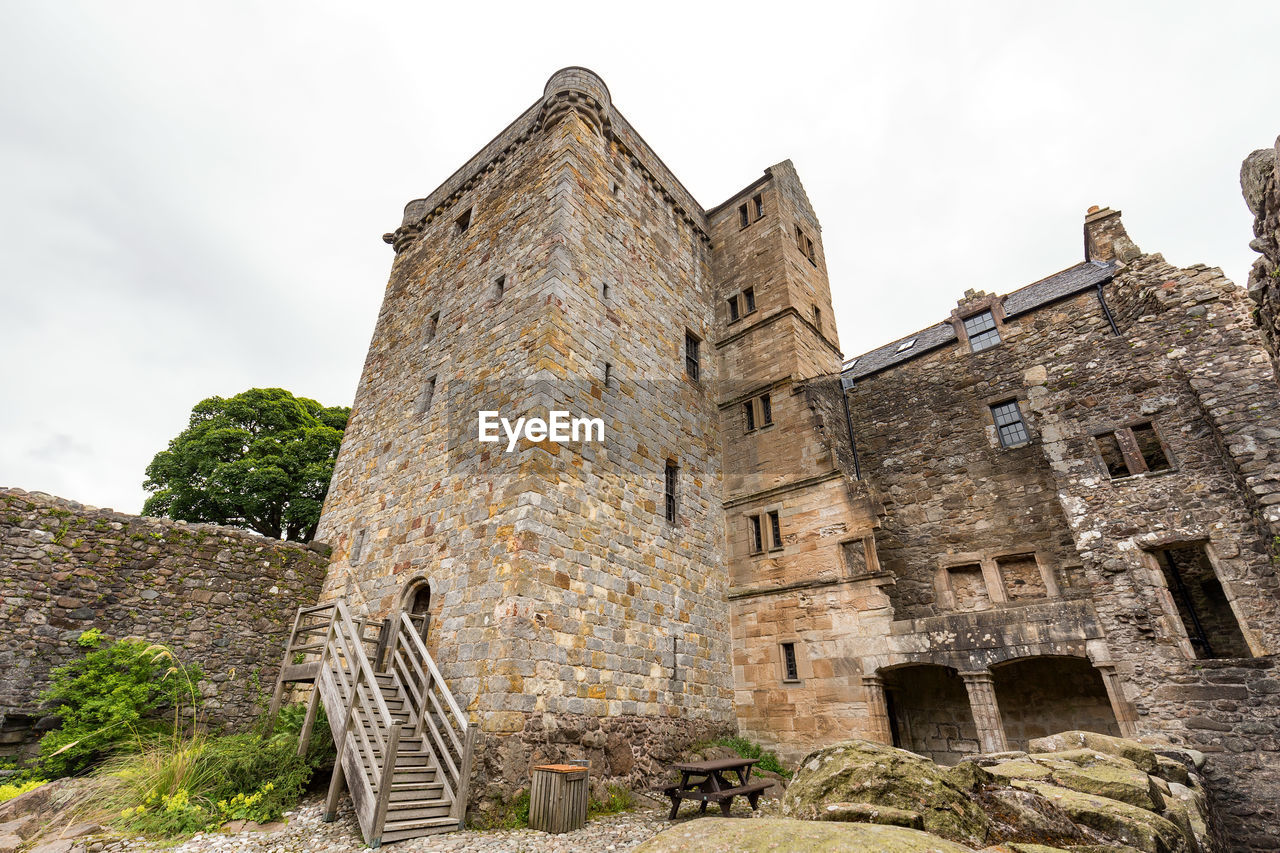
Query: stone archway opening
[416,603]
[1040,696]
[928,710]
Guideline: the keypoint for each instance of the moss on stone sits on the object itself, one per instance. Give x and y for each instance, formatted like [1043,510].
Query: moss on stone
[1139,828]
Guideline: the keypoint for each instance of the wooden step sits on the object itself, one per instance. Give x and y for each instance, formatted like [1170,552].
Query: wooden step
[402,829]
[406,791]
[417,810]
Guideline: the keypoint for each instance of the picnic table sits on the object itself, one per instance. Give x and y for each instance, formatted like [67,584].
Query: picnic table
[708,782]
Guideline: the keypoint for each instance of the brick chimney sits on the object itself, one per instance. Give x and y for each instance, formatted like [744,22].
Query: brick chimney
[1105,238]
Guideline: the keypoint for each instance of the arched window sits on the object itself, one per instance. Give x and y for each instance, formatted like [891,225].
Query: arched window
[420,600]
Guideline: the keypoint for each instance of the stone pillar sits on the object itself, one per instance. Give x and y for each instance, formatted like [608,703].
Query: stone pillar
[877,710]
[1126,719]
[986,713]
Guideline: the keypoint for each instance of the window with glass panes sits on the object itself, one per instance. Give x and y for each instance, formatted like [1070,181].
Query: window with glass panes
[982,332]
[1009,424]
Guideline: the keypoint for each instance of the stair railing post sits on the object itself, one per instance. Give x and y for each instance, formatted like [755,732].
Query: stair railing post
[335,781]
[277,696]
[384,785]
[462,791]
[308,723]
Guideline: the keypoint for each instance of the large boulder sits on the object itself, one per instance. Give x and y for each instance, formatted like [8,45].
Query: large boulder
[1142,756]
[858,771]
[793,836]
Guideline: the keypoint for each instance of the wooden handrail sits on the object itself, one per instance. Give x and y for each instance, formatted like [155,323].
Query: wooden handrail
[435,673]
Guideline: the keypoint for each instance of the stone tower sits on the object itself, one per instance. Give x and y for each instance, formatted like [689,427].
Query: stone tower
[577,590]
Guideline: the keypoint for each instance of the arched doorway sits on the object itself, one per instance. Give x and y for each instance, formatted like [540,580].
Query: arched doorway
[929,713]
[1040,696]
[416,603]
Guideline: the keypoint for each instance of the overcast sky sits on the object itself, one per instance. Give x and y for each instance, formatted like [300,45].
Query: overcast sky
[194,193]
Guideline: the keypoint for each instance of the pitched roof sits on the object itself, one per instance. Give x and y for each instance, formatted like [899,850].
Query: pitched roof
[1035,295]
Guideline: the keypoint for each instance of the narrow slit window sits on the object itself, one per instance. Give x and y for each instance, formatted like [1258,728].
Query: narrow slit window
[757,202]
[809,251]
[424,398]
[766,410]
[981,331]
[433,325]
[775,531]
[1009,424]
[691,363]
[1148,443]
[733,309]
[608,374]
[463,222]
[604,291]
[817,316]
[749,412]
[790,672]
[743,218]
[670,478]
[749,297]
[799,238]
[357,545]
[757,534]
[499,286]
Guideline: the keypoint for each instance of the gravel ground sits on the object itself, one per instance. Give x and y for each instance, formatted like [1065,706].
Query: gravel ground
[306,833]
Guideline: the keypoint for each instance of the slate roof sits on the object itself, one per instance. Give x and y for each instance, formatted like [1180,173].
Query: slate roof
[1036,295]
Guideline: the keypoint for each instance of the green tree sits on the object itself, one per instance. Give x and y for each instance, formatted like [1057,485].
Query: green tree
[261,459]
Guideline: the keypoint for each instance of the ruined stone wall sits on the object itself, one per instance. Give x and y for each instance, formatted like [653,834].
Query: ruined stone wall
[219,597]
[1260,183]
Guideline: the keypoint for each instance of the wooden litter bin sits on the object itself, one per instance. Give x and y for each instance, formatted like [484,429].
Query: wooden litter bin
[558,798]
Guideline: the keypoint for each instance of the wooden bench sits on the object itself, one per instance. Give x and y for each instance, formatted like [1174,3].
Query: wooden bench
[705,782]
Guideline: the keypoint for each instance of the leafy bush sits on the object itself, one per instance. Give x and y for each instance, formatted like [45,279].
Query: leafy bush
[14,789]
[506,814]
[110,697]
[767,761]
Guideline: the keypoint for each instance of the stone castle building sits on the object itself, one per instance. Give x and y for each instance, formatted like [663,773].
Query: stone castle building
[1056,508]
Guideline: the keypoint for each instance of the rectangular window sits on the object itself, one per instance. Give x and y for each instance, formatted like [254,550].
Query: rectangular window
[1009,425]
[766,410]
[1149,446]
[749,410]
[982,332]
[670,477]
[799,238]
[604,291]
[749,296]
[499,286]
[757,534]
[1112,455]
[968,588]
[743,219]
[424,398]
[463,222]
[608,374]
[1021,575]
[790,672]
[433,325]
[809,251]
[733,308]
[775,531]
[1132,450]
[691,363]
[758,203]
[1202,603]
[817,316]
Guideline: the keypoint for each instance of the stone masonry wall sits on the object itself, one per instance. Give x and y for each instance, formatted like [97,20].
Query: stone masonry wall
[219,597]
[1260,183]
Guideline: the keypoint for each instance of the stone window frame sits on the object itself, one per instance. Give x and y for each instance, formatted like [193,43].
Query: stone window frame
[770,545]
[433,329]
[1002,399]
[988,561]
[971,307]
[692,350]
[671,490]
[801,660]
[870,556]
[741,304]
[463,221]
[751,211]
[754,410]
[1133,458]
[806,245]
[1170,619]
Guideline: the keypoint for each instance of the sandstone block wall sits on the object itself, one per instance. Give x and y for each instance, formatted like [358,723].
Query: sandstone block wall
[219,597]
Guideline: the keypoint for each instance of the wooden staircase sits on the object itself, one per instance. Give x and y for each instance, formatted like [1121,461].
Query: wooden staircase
[404,746]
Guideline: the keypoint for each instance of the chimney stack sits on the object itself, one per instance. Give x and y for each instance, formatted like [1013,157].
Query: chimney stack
[1105,238]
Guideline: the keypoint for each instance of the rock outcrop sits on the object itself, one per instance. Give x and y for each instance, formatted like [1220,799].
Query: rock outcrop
[1076,791]
[1260,184]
